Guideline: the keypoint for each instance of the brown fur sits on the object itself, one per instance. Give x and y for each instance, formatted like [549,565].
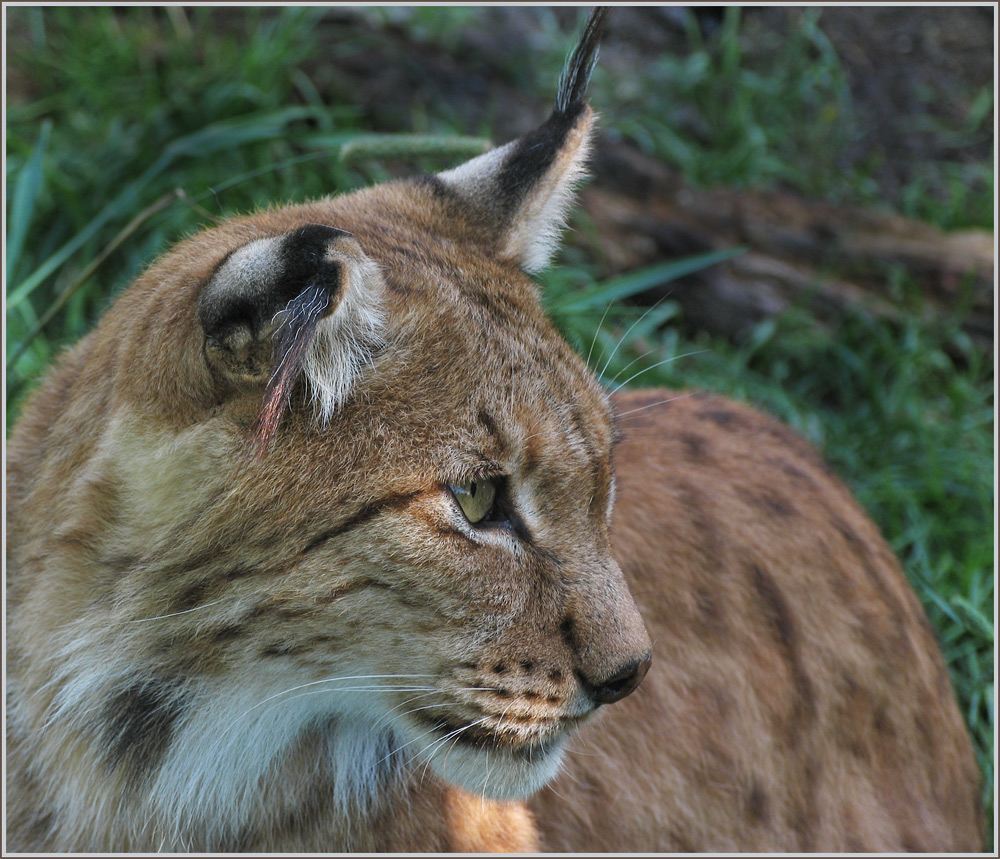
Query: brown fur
[182,589]
[797,699]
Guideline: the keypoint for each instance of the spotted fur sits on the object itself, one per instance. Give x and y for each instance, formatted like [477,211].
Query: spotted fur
[247,613]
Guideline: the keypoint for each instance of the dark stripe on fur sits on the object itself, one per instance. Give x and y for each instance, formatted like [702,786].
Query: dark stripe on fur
[779,616]
[367,512]
[138,727]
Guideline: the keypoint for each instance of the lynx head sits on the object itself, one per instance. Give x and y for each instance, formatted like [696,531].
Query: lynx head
[346,482]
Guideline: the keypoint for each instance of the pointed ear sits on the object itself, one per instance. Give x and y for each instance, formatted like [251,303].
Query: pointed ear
[304,303]
[523,190]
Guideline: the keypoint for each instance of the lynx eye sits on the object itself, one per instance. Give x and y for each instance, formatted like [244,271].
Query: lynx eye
[475,497]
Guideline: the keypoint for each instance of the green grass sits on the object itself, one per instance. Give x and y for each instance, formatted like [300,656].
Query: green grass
[141,125]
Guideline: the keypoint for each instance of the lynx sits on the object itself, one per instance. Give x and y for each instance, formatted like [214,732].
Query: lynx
[325,540]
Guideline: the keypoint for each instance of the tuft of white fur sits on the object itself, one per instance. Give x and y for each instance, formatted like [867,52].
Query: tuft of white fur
[346,340]
[535,234]
[226,754]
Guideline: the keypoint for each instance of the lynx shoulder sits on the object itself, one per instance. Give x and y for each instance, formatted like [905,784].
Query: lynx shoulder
[311,547]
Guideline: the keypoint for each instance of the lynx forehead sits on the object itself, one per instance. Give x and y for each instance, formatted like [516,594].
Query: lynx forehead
[311,548]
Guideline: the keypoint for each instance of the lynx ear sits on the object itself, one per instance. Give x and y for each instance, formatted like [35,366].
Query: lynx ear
[305,302]
[523,190]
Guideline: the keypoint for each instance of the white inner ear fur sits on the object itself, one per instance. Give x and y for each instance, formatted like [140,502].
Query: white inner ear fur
[346,340]
[533,235]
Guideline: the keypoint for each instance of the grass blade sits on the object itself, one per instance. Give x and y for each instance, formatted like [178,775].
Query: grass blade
[26,191]
[639,281]
[213,138]
[65,295]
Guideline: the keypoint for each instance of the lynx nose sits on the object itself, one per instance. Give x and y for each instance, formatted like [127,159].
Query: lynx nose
[624,683]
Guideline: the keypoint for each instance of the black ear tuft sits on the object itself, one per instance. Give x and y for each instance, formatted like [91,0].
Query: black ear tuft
[579,67]
[522,191]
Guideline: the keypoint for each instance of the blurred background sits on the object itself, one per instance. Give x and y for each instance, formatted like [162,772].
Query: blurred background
[792,206]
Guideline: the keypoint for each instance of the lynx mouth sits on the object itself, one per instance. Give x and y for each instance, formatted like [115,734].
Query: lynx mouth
[497,763]
[476,736]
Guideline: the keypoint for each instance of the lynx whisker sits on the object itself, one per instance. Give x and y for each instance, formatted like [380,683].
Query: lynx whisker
[393,711]
[333,680]
[628,331]
[635,376]
[425,733]
[630,364]
[597,333]
[176,613]
[654,405]
[428,751]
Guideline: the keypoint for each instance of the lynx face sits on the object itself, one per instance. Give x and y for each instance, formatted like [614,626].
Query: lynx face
[466,593]
[328,486]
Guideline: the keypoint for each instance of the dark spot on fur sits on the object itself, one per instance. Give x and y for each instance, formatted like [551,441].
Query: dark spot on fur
[488,303]
[528,666]
[119,563]
[284,648]
[812,808]
[710,540]
[710,611]
[499,668]
[138,727]
[487,420]
[859,749]
[722,418]
[502,693]
[553,699]
[776,504]
[227,633]
[694,445]
[291,612]
[757,803]
[775,608]
[191,597]
[349,588]
[767,500]
[555,676]
[568,631]
[850,537]
[679,844]
[531,696]
[792,471]
[882,723]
